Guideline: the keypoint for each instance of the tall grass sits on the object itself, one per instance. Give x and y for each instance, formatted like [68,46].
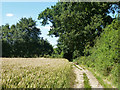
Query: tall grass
[36,73]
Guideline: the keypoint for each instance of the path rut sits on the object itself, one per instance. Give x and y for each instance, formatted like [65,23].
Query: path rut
[79,78]
[80,81]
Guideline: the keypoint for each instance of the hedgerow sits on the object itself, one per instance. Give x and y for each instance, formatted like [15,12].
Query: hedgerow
[103,57]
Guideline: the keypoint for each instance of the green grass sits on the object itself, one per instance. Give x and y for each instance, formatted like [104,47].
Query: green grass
[37,73]
[105,85]
[99,77]
[77,66]
[86,81]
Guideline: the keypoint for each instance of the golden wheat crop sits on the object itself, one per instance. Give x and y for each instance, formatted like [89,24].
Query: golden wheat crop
[35,73]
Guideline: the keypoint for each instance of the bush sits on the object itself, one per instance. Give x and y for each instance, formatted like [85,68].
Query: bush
[103,57]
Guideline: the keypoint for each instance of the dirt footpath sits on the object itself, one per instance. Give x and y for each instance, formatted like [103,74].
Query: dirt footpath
[79,78]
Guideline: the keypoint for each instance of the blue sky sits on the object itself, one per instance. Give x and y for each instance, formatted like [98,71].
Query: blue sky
[12,12]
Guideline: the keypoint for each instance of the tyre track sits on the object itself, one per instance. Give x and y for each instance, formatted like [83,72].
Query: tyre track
[79,78]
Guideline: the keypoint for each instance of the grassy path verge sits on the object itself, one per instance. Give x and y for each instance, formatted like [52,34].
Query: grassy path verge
[100,78]
[86,81]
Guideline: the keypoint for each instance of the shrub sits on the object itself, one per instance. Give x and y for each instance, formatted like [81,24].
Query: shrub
[103,57]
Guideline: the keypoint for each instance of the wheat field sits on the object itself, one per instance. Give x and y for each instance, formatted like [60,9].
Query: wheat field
[36,73]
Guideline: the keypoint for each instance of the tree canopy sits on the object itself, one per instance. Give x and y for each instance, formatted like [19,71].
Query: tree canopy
[77,24]
[23,40]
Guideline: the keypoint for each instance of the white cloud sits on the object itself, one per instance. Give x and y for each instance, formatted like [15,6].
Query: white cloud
[9,15]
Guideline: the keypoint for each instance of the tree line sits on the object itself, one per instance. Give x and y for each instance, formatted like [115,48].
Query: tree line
[77,24]
[23,40]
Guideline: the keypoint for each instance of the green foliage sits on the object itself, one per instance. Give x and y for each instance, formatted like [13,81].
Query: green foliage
[104,55]
[23,40]
[76,24]
[57,53]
